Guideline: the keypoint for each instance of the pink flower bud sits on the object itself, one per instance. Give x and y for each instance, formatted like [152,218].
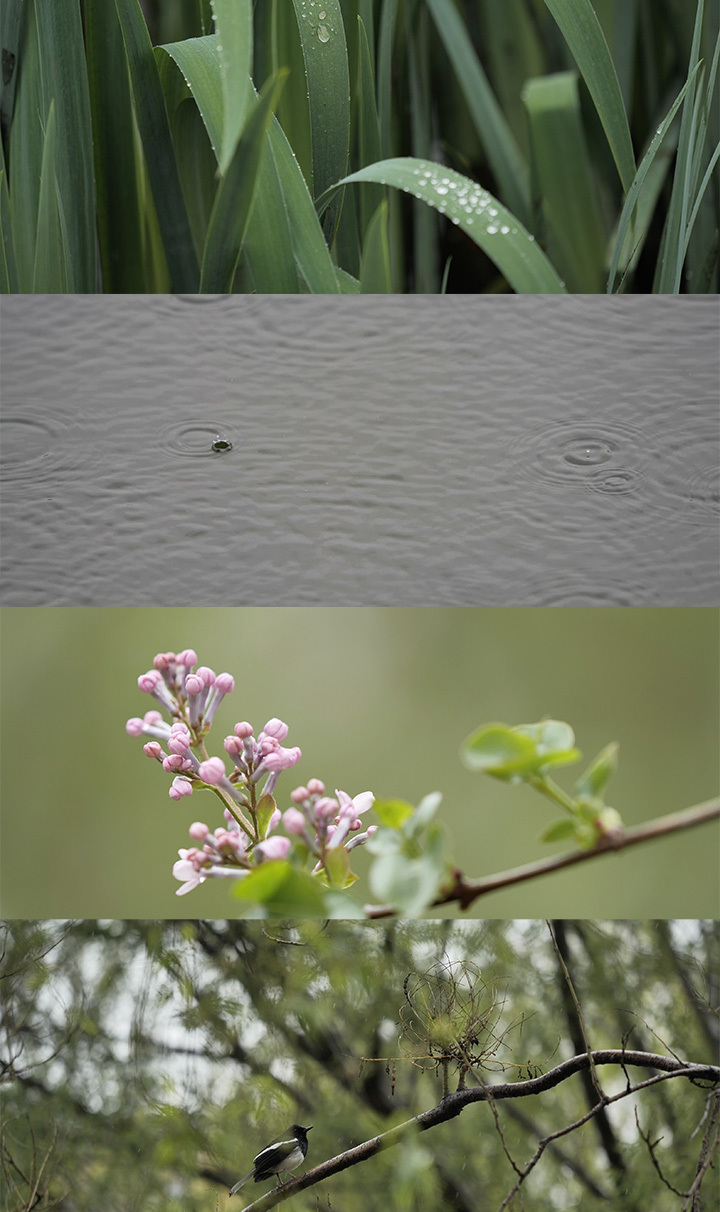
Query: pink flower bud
[243,730]
[134,727]
[233,746]
[194,684]
[316,787]
[326,808]
[187,657]
[198,832]
[294,821]
[149,681]
[179,788]
[282,759]
[212,771]
[275,847]
[276,728]
[153,749]
[299,795]
[225,682]
[206,674]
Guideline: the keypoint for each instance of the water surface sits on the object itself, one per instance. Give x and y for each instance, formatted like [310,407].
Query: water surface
[359,450]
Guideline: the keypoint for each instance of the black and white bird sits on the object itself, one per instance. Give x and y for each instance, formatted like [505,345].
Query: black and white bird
[277,1158]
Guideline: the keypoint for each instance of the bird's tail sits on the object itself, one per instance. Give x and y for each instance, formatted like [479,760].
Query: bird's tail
[241,1181]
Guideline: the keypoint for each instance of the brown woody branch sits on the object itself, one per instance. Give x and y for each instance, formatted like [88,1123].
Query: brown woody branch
[456,1102]
[465,891]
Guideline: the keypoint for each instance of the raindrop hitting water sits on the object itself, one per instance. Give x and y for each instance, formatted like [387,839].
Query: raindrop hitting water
[193,439]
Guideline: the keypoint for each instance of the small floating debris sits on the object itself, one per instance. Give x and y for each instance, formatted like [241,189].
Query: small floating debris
[221,444]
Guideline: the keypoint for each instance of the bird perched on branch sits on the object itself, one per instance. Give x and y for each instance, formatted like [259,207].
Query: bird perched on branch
[278,1157]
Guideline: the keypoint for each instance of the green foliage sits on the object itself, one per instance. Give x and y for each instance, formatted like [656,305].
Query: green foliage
[411,859]
[524,754]
[147,146]
[152,1060]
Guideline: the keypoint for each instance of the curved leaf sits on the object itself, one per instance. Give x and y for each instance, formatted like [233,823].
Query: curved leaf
[485,220]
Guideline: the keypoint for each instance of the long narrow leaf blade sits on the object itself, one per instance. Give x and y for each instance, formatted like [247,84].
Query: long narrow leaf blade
[328,87]
[234,26]
[51,272]
[491,126]
[162,168]
[581,29]
[485,220]
[639,180]
[234,199]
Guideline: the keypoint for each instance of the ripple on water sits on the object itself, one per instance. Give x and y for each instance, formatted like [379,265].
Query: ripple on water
[197,439]
[37,442]
[688,479]
[566,453]
[575,589]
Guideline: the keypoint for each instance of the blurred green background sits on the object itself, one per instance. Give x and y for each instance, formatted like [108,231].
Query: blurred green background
[379,699]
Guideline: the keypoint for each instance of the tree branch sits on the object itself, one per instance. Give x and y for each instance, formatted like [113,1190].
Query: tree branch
[452,1106]
[466,891]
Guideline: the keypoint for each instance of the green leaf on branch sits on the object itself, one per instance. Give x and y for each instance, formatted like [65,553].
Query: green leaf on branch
[598,774]
[560,831]
[338,866]
[265,807]
[411,884]
[411,857]
[392,813]
[279,891]
[521,753]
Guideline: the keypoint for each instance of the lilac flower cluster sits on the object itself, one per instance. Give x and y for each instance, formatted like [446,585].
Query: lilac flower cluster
[316,827]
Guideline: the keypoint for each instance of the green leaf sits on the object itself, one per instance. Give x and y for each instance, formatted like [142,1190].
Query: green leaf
[311,252]
[411,885]
[393,813]
[266,806]
[598,774]
[673,250]
[152,121]
[368,127]
[234,27]
[519,753]
[581,29]
[199,61]
[8,269]
[51,269]
[565,183]
[375,271]
[424,813]
[476,212]
[118,173]
[235,195]
[283,892]
[560,831]
[550,736]
[499,750]
[338,863]
[635,193]
[491,126]
[328,88]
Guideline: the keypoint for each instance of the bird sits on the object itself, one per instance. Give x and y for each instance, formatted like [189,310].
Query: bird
[278,1157]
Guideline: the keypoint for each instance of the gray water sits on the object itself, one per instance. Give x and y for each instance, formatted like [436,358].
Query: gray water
[390,451]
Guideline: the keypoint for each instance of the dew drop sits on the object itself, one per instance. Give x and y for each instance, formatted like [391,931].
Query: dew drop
[323,33]
[492,229]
